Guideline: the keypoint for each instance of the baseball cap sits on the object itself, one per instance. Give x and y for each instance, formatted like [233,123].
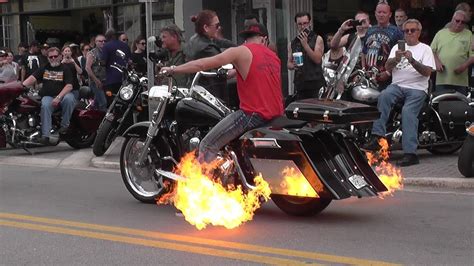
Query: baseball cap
[45,46]
[254,29]
[3,52]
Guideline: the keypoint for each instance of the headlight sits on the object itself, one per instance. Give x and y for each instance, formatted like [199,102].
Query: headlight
[133,78]
[126,92]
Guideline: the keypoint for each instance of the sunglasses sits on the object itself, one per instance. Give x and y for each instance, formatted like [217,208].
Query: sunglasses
[143,43]
[459,21]
[124,40]
[410,30]
[53,56]
[4,55]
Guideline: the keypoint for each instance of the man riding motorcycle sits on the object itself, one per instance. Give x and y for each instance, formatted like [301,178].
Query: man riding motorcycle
[258,85]
[56,92]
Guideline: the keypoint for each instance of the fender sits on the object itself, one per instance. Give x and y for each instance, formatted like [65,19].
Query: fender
[137,130]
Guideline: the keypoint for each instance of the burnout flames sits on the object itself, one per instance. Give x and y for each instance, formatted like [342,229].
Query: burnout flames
[295,184]
[390,175]
[205,201]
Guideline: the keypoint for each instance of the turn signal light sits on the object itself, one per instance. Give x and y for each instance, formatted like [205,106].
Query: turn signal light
[139,108]
[470,130]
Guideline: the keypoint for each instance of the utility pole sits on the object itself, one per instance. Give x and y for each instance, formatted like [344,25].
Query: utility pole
[149,33]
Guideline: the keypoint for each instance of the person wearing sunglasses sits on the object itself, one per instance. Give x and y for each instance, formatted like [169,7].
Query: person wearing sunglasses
[258,84]
[206,43]
[56,92]
[453,54]
[138,56]
[411,67]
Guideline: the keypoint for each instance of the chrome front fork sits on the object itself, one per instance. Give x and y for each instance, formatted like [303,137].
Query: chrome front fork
[152,129]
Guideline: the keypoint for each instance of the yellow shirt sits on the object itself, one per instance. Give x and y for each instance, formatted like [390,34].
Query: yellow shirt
[453,49]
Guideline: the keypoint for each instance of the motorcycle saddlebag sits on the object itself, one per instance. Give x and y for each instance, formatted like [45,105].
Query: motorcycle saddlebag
[331,111]
[457,112]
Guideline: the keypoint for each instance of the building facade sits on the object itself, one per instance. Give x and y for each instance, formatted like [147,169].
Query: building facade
[58,21]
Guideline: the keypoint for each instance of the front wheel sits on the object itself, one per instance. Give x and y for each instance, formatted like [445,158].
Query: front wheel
[81,141]
[466,157]
[141,180]
[300,206]
[105,137]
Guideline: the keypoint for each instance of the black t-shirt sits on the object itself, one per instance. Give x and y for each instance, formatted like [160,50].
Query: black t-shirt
[32,62]
[139,59]
[53,78]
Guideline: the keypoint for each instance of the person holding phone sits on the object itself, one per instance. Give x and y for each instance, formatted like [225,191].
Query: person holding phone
[380,38]
[74,68]
[411,64]
[305,54]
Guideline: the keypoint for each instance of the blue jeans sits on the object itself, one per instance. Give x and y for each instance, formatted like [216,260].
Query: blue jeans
[413,102]
[100,101]
[67,107]
[229,128]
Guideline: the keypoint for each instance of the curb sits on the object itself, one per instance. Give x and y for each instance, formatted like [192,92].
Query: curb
[101,162]
[440,182]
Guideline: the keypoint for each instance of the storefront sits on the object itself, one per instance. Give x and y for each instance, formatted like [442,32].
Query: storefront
[76,20]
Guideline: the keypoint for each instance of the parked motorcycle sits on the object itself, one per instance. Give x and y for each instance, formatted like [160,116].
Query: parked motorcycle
[318,147]
[442,120]
[466,155]
[124,111]
[20,119]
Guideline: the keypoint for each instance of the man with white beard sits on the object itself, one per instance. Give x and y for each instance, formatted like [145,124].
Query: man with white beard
[56,92]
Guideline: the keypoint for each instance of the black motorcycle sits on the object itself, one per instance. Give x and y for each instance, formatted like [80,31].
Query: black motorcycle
[466,155]
[318,147]
[442,120]
[124,111]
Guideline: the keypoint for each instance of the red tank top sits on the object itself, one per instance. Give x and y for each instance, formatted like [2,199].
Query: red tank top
[261,92]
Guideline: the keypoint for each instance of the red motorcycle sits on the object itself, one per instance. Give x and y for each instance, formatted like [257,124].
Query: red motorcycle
[20,119]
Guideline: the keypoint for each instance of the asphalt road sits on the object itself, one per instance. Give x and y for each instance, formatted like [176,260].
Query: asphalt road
[81,216]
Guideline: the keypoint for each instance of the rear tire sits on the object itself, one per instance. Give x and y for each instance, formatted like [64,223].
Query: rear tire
[445,149]
[105,137]
[466,157]
[299,206]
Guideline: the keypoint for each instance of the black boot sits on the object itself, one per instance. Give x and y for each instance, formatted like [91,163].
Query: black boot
[408,159]
[372,144]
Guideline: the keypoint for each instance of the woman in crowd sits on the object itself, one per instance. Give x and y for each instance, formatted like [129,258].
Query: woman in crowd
[206,43]
[8,68]
[139,55]
[73,65]
[85,48]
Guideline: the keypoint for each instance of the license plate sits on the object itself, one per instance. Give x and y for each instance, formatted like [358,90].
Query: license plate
[357,181]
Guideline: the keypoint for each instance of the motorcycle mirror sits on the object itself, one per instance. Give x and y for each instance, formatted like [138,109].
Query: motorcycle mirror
[120,54]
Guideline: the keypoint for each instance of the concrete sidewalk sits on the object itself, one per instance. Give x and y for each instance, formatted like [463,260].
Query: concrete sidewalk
[438,171]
